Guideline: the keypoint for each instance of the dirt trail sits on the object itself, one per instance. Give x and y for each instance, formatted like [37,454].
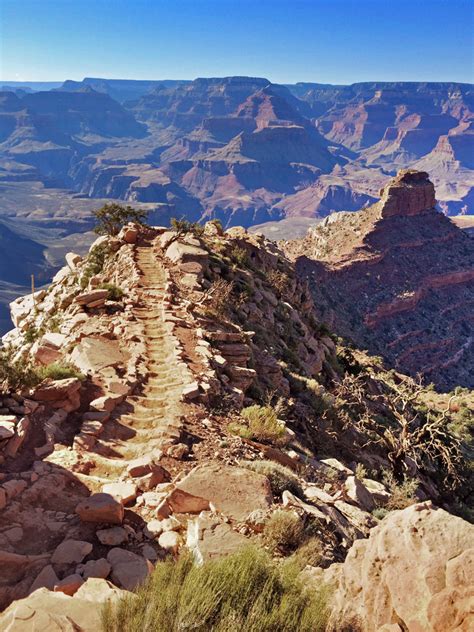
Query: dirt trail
[149,420]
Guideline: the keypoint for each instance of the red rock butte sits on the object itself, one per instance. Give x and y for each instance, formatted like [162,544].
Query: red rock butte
[409,193]
[396,278]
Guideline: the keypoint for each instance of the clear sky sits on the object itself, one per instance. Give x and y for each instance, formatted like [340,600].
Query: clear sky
[328,41]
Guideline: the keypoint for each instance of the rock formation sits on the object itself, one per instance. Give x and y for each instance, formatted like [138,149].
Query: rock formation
[410,193]
[415,572]
[239,149]
[397,278]
[172,390]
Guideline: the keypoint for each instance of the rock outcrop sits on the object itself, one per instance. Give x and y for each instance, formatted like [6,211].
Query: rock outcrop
[397,278]
[192,392]
[410,193]
[415,572]
[58,612]
[240,149]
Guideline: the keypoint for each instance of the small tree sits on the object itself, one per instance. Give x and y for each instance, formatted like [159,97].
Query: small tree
[112,217]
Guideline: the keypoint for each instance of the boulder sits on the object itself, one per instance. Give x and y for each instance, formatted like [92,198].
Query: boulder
[377,490]
[89,298]
[358,493]
[47,578]
[48,611]
[72,260]
[124,492]
[208,538]
[71,551]
[106,403]
[181,501]
[234,491]
[96,568]
[128,569]
[179,251]
[56,390]
[129,234]
[170,541]
[69,585]
[21,432]
[7,426]
[416,570]
[154,528]
[113,536]
[101,508]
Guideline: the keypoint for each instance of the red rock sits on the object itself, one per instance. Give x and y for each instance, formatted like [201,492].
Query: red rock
[234,491]
[113,536]
[71,551]
[47,578]
[96,568]
[181,501]
[410,193]
[101,508]
[69,585]
[56,390]
[128,569]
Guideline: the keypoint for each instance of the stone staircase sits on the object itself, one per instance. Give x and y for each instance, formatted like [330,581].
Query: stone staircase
[150,420]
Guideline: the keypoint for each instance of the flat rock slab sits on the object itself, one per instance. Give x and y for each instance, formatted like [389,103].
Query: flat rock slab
[123,492]
[91,297]
[234,491]
[208,539]
[185,252]
[95,353]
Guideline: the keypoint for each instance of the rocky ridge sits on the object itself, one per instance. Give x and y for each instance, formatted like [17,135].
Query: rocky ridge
[136,445]
[397,278]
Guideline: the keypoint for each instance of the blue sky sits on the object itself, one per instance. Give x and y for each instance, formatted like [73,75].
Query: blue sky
[328,41]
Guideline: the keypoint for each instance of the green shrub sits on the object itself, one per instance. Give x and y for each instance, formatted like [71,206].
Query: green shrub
[15,375]
[112,217]
[360,471]
[183,227]
[310,553]
[240,430]
[219,298]
[279,281]
[280,477]
[115,293]
[239,257]
[245,591]
[95,263]
[283,532]
[32,334]
[263,424]
[58,371]
[380,513]
[402,493]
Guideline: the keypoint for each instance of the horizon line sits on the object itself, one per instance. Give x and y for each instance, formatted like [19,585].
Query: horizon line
[18,81]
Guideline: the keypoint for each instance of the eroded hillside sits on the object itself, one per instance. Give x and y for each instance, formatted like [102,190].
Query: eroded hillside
[397,279]
[175,390]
